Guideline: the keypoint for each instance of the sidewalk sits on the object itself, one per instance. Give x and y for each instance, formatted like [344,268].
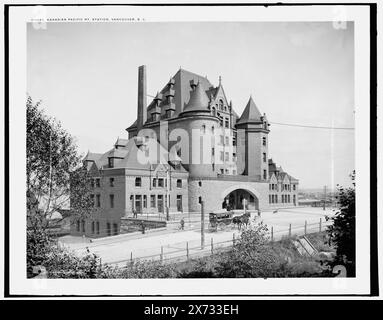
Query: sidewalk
[122,248]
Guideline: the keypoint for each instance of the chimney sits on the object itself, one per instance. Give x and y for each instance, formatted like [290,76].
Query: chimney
[141,102]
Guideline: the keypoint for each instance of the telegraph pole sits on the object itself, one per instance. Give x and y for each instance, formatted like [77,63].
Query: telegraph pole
[202,225]
[324,202]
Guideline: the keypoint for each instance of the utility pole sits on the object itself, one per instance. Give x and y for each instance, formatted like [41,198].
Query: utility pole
[324,202]
[202,225]
[167,192]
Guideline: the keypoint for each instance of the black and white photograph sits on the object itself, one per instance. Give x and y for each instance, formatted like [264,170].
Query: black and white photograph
[163,148]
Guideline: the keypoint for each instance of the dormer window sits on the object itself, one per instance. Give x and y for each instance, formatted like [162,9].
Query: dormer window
[110,162]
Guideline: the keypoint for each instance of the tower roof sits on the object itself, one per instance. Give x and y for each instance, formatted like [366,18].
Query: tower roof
[251,113]
[198,100]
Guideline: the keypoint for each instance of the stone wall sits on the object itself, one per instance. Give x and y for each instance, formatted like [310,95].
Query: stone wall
[213,192]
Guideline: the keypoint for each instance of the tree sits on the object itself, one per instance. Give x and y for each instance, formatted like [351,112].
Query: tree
[54,170]
[342,230]
[250,257]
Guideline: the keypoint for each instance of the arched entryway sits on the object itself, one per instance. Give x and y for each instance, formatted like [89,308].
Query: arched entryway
[239,198]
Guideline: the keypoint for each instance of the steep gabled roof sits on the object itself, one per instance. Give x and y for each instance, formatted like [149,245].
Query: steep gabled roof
[92,156]
[251,113]
[182,90]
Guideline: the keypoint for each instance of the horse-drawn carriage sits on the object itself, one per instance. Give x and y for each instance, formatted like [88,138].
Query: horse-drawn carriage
[220,219]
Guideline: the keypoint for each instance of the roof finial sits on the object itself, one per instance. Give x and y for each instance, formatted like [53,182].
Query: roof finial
[220,80]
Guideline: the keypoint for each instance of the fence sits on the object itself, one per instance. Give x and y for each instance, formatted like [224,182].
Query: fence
[184,251]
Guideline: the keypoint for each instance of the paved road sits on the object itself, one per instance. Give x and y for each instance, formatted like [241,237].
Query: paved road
[118,250]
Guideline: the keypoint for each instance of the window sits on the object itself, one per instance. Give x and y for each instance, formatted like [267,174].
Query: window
[226,156]
[221,156]
[269,198]
[108,228]
[111,200]
[294,187]
[221,139]
[264,141]
[234,157]
[179,202]
[160,203]
[264,174]
[227,141]
[110,162]
[98,201]
[203,129]
[276,198]
[220,104]
[212,151]
[221,171]
[111,182]
[92,227]
[138,206]
[91,183]
[98,227]
[168,113]
[152,200]
[154,182]
[160,183]
[132,201]
[92,199]
[83,225]
[179,152]
[200,183]
[98,182]
[179,183]
[154,117]
[226,171]
[264,157]
[78,226]
[212,129]
[138,182]
[226,122]
[199,199]
[145,201]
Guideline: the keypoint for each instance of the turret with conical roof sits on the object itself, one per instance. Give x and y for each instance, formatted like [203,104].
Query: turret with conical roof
[199,100]
[251,114]
[252,132]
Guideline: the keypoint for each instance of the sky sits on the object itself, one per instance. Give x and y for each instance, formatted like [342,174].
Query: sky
[297,73]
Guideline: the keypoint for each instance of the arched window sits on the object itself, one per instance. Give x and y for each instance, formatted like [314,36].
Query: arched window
[220,104]
[212,129]
[179,183]
[264,141]
[203,129]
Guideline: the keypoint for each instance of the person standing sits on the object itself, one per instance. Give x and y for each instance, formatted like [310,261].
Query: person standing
[182,223]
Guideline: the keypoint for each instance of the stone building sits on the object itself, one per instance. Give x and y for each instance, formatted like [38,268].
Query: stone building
[187,145]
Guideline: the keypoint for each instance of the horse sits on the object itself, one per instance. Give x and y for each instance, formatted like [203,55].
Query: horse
[242,219]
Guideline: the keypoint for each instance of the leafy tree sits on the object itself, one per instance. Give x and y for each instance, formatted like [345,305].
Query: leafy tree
[342,230]
[55,174]
[250,257]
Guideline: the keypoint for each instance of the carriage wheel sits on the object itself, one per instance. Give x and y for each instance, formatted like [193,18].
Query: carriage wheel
[221,225]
